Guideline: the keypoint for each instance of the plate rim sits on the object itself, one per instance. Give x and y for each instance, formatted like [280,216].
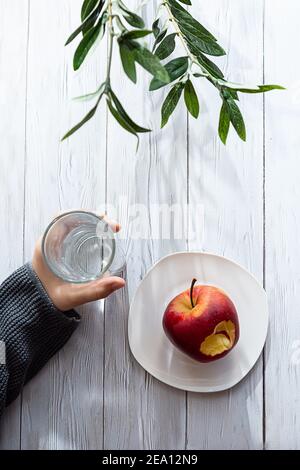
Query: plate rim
[204,389]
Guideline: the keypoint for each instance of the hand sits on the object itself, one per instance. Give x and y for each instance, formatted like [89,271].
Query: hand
[66,296]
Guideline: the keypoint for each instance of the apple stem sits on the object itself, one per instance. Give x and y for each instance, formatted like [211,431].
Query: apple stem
[191,291]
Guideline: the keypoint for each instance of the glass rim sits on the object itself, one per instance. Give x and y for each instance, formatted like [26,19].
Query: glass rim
[53,222]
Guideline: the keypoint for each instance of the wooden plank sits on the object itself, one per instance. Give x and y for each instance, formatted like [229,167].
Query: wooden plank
[62,406]
[12,136]
[139,411]
[228,181]
[282,226]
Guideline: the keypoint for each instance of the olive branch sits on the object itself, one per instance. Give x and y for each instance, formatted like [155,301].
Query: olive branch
[174,25]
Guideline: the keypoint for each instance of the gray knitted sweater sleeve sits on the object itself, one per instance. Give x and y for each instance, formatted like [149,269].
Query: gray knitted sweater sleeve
[31,331]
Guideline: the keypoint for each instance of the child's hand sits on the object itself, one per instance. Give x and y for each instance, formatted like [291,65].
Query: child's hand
[66,296]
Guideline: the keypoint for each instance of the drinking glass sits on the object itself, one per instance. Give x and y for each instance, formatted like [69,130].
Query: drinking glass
[79,246]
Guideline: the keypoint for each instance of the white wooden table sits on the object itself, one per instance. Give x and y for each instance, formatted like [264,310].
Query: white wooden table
[93,394]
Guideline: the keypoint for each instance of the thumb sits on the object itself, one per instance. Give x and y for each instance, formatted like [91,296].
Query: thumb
[97,290]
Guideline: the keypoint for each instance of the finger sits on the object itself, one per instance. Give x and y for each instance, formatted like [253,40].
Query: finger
[96,290]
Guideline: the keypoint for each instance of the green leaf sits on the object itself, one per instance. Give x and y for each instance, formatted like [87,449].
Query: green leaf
[236,118]
[184,17]
[175,68]
[249,88]
[191,99]
[128,61]
[89,116]
[261,89]
[198,39]
[90,96]
[87,24]
[186,2]
[87,7]
[149,61]
[196,45]
[159,38]
[166,47]
[136,33]
[224,123]
[120,119]
[234,94]
[171,102]
[189,29]
[85,45]
[156,28]
[229,93]
[124,115]
[132,18]
[208,65]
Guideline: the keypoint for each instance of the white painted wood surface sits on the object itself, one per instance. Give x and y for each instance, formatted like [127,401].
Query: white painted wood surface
[282,228]
[93,394]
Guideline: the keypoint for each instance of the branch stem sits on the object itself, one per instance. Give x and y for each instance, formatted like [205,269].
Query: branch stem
[110,41]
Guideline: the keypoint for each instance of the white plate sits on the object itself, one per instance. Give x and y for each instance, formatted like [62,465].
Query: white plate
[153,350]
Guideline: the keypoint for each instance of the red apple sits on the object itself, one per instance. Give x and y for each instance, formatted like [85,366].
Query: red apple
[202,322]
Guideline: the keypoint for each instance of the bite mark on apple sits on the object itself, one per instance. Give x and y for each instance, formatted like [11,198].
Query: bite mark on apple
[222,339]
